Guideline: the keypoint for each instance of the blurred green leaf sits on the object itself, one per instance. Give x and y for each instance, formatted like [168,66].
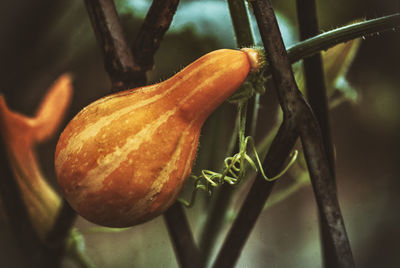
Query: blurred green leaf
[337,61]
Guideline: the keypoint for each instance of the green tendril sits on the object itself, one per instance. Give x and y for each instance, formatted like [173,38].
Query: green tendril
[235,166]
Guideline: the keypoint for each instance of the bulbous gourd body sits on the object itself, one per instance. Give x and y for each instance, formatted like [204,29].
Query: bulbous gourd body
[123,159]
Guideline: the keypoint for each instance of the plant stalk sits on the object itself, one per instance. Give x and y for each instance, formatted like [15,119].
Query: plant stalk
[181,237]
[119,63]
[152,31]
[316,95]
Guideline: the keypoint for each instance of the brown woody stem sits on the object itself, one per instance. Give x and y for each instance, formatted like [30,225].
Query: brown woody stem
[123,71]
[153,29]
[316,95]
[182,239]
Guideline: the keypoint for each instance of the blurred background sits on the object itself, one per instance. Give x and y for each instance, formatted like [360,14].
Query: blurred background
[39,40]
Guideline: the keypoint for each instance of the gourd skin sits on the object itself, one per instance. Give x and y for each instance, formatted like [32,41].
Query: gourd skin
[124,158]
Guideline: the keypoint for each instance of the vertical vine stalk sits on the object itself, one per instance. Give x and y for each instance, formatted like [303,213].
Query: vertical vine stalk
[119,63]
[314,74]
[152,31]
[182,238]
[316,95]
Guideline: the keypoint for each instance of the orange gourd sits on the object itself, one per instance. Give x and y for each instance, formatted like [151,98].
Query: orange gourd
[124,159]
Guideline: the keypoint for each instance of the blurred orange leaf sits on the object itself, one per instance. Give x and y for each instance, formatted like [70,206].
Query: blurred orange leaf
[21,134]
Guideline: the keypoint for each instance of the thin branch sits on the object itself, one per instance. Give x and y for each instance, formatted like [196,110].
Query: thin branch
[181,236]
[316,95]
[298,119]
[326,40]
[150,35]
[118,61]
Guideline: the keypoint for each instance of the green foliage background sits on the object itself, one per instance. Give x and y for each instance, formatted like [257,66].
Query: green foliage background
[41,39]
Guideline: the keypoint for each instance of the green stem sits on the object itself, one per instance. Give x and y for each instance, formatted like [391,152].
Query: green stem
[343,34]
[331,38]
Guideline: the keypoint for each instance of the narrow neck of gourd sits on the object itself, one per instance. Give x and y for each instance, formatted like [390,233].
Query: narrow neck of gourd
[205,84]
[200,101]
